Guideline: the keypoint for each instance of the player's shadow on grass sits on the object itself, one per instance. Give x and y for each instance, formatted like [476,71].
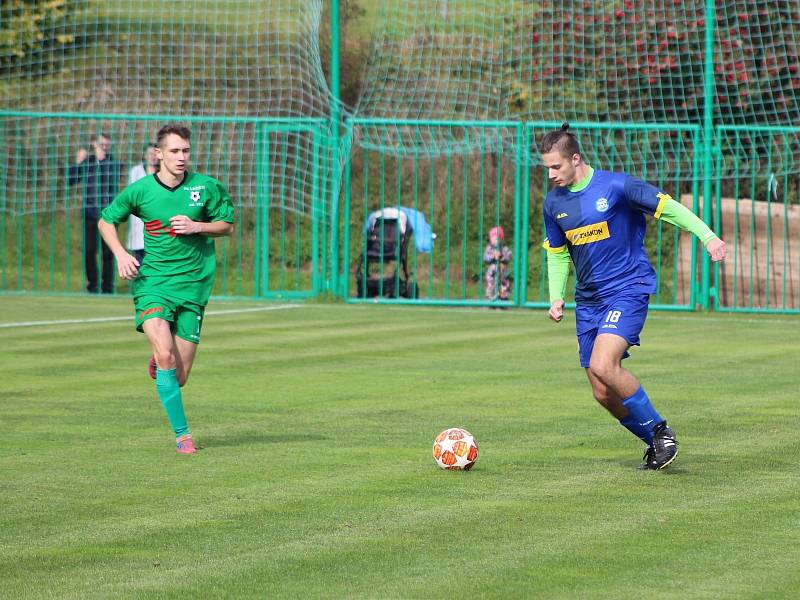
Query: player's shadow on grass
[672,469]
[250,438]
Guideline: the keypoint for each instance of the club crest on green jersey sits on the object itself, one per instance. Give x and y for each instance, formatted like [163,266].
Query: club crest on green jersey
[195,195]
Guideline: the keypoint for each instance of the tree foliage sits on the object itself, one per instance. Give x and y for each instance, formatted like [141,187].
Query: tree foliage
[27,27]
[646,61]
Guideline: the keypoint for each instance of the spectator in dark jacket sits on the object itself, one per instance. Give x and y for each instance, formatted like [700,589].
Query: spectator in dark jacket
[101,175]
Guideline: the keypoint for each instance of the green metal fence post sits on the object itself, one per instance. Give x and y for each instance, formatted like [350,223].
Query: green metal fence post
[262,208]
[3,211]
[520,227]
[708,140]
[259,171]
[343,288]
[333,154]
[693,300]
[317,207]
[525,207]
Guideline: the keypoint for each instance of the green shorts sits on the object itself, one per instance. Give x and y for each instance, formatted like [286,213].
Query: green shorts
[185,318]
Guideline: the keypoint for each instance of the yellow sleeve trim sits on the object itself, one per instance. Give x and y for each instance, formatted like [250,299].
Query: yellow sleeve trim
[662,200]
[559,250]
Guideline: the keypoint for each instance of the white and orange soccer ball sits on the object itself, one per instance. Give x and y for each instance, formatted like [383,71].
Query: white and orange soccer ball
[455,449]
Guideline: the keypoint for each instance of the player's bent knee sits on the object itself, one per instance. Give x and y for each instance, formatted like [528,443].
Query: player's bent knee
[165,361]
[602,370]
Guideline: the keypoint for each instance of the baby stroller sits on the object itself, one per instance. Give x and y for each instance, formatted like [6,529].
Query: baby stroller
[383,267]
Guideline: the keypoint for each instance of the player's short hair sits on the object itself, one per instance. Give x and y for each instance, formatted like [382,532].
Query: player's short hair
[561,140]
[179,130]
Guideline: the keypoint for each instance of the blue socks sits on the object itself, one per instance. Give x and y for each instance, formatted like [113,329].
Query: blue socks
[642,416]
[170,393]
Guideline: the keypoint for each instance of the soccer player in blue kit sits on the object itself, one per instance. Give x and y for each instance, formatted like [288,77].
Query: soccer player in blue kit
[596,219]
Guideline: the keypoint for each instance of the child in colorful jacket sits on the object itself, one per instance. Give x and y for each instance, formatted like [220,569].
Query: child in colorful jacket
[496,255]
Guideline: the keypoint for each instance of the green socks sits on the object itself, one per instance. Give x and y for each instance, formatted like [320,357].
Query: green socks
[170,393]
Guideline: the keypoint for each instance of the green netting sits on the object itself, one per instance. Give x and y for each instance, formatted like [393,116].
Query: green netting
[227,57]
[614,61]
[83,60]
[435,61]
[245,75]
[448,85]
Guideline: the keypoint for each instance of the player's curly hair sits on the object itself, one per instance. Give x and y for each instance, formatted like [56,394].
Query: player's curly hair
[179,130]
[562,140]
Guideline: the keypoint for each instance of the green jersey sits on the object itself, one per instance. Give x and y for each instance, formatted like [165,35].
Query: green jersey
[175,266]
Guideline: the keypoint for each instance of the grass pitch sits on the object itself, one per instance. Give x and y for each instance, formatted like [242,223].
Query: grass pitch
[316,479]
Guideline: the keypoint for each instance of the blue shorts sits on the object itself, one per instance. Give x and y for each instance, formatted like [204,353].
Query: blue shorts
[622,315]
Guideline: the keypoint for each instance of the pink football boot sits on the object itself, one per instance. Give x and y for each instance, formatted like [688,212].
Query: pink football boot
[185,445]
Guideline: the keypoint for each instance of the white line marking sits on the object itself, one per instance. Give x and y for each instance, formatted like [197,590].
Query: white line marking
[726,318]
[666,315]
[232,311]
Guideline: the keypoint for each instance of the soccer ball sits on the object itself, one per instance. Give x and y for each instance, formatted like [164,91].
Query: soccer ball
[455,449]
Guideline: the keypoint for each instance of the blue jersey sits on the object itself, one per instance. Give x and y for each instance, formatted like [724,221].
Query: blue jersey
[603,227]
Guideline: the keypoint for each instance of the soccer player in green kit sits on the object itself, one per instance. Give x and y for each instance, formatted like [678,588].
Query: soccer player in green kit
[183,211]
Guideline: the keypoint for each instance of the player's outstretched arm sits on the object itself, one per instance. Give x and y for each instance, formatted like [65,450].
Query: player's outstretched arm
[716,248]
[127,265]
[676,213]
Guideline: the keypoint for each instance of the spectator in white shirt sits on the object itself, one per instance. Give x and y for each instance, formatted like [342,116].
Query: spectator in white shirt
[148,166]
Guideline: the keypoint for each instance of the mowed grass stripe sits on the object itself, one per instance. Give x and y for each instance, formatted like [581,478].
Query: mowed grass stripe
[322,541]
[317,481]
